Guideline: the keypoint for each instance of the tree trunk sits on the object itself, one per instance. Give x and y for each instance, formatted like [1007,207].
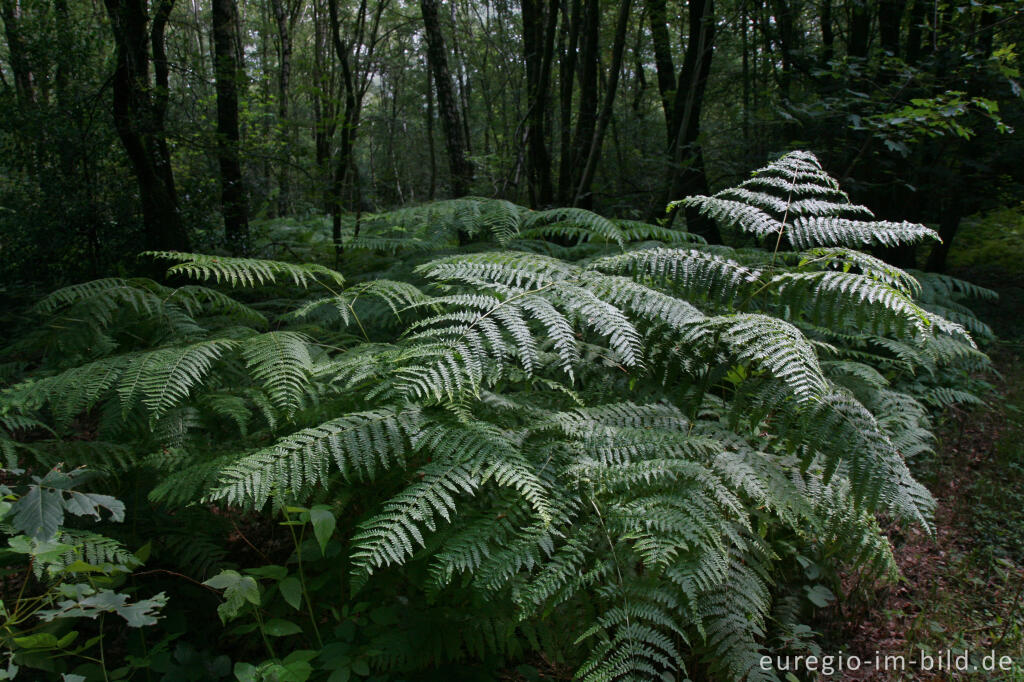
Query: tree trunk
[17,52]
[948,226]
[915,31]
[586,114]
[827,34]
[890,16]
[430,137]
[571,24]
[860,26]
[284,16]
[986,32]
[349,123]
[583,196]
[539,26]
[139,118]
[461,169]
[663,60]
[232,188]
[686,173]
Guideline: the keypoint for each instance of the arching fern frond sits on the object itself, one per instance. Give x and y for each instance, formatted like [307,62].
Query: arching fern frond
[245,271]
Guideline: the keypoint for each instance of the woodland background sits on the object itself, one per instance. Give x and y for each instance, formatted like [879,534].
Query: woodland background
[132,124]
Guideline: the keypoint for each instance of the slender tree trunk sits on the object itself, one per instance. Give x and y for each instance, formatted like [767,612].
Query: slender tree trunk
[461,168]
[827,35]
[349,122]
[890,16]
[915,31]
[948,227]
[232,188]
[860,27]
[586,114]
[17,50]
[284,16]
[785,30]
[139,118]
[539,26]
[663,62]
[583,196]
[986,32]
[567,72]
[686,173]
[430,137]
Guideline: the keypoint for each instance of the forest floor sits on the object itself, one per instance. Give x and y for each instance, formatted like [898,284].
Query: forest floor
[961,597]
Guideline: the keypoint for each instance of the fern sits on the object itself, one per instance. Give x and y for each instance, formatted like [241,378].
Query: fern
[245,271]
[606,440]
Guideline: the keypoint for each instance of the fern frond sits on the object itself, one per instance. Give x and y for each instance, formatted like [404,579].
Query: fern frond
[245,271]
[587,222]
[358,445]
[280,361]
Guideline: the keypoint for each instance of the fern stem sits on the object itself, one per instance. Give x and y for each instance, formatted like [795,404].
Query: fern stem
[302,576]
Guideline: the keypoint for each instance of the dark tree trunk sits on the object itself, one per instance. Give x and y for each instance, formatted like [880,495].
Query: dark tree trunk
[786,32]
[349,123]
[915,31]
[284,15]
[663,60]
[890,16]
[686,173]
[948,226]
[139,118]
[986,32]
[860,26]
[17,53]
[232,188]
[583,196]
[586,115]
[430,137]
[540,19]
[827,35]
[461,168]
[571,24]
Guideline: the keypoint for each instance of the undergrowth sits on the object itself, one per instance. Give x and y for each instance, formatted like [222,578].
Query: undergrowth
[495,435]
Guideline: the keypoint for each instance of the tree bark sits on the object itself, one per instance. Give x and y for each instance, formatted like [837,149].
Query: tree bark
[586,114]
[17,52]
[539,26]
[139,118]
[285,14]
[232,188]
[460,167]
[432,189]
[571,22]
[663,62]
[686,172]
[948,227]
[583,196]
[890,16]
[827,34]
[860,26]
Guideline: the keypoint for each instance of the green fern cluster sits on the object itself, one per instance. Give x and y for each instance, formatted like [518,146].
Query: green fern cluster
[606,440]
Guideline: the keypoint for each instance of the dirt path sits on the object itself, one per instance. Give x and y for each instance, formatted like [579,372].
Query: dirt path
[960,600]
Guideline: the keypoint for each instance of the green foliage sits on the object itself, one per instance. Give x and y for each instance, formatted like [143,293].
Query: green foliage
[622,452]
[76,572]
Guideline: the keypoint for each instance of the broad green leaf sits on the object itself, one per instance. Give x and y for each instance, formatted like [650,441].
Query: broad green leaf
[279,627]
[323,525]
[41,640]
[238,589]
[291,590]
[39,513]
